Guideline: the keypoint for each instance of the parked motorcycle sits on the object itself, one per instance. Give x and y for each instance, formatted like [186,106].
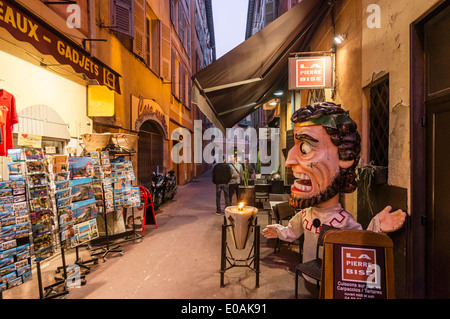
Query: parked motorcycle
[157,189]
[170,185]
[164,187]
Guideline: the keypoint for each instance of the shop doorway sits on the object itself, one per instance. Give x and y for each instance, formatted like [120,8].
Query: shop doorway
[150,151]
[430,141]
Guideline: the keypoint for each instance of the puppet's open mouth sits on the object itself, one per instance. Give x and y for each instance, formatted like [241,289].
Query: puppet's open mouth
[302,183]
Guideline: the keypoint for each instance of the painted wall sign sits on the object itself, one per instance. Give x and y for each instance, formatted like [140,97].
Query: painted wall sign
[147,109]
[310,73]
[27,27]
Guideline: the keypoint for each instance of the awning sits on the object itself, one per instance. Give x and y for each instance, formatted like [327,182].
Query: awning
[27,27]
[232,87]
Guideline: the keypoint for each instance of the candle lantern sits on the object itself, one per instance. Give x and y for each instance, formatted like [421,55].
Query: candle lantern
[240,221]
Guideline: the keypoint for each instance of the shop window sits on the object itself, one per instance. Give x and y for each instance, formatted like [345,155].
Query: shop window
[50,145]
[379,123]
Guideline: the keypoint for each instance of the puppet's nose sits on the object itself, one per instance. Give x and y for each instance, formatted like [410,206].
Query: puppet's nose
[291,158]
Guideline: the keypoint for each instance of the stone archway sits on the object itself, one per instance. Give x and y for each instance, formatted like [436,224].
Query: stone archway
[150,151]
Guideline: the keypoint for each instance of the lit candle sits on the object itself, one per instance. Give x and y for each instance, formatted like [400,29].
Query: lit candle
[241,218]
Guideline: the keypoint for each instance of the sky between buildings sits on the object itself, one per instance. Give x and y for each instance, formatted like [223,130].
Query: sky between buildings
[230,20]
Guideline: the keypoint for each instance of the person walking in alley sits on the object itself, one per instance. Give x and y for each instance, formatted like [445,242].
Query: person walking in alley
[236,176]
[221,176]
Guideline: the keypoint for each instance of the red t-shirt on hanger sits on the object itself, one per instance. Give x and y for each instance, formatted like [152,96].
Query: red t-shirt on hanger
[8,117]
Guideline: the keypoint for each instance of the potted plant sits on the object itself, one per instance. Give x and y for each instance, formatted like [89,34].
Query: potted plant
[246,192]
[258,167]
[366,176]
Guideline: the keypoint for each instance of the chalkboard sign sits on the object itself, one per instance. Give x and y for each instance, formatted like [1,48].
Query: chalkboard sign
[357,264]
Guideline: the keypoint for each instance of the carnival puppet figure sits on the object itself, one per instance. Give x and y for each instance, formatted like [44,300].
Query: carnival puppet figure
[323,160]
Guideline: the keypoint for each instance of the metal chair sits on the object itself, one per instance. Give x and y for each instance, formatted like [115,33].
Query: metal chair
[313,268]
[282,212]
[261,190]
[275,198]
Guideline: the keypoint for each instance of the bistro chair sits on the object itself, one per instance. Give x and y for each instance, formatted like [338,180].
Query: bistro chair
[275,198]
[261,191]
[283,212]
[313,268]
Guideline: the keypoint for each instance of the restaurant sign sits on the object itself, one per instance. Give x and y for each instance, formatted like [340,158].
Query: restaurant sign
[310,73]
[143,110]
[25,26]
[359,272]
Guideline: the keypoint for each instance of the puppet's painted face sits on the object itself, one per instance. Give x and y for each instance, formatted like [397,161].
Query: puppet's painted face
[315,164]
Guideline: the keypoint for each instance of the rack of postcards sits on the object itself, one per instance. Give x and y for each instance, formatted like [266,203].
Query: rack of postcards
[114,193]
[42,205]
[73,188]
[15,243]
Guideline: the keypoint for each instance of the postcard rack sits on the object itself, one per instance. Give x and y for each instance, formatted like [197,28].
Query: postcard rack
[15,240]
[42,203]
[109,244]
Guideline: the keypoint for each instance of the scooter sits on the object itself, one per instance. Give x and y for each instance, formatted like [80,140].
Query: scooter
[171,186]
[157,189]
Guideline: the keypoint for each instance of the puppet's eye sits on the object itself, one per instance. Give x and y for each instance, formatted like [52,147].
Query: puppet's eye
[305,148]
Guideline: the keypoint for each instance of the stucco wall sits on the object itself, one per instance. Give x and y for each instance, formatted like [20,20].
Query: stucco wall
[385,50]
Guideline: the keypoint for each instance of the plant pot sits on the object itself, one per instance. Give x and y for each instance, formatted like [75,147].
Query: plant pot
[247,195]
[380,176]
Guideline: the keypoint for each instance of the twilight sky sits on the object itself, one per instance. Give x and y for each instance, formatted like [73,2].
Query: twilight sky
[230,19]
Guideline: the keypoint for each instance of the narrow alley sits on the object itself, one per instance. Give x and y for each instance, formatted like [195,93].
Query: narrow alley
[180,259]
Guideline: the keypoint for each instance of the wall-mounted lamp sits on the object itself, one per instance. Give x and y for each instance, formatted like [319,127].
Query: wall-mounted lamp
[273,103]
[340,38]
[278,93]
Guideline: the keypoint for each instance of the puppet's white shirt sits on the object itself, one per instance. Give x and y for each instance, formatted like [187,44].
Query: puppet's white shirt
[302,223]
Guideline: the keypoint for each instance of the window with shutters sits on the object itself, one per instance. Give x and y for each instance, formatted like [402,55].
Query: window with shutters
[165,52]
[122,17]
[175,68]
[139,42]
[153,41]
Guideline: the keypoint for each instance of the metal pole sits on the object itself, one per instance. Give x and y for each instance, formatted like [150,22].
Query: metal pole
[222,256]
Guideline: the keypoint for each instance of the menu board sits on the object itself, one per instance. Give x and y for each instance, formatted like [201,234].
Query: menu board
[359,272]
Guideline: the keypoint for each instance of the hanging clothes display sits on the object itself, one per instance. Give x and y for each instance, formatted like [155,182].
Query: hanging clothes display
[8,117]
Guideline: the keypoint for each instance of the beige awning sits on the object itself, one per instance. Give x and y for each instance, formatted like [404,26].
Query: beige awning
[232,87]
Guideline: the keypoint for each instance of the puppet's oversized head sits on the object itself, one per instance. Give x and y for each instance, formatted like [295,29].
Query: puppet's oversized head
[324,157]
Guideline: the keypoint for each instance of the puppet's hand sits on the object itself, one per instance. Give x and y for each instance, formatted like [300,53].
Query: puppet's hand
[390,222]
[270,231]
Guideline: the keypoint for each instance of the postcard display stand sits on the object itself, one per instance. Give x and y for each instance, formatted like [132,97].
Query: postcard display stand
[33,207]
[113,193]
[15,243]
[77,212]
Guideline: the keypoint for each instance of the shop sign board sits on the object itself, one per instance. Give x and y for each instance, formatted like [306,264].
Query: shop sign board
[147,109]
[359,272]
[25,26]
[310,73]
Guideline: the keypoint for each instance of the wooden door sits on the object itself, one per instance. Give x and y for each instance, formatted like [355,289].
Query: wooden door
[437,106]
